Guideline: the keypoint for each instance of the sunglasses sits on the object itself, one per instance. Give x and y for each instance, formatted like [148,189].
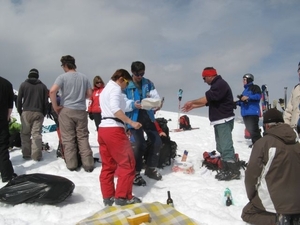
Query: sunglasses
[99,82]
[139,74]
[127,82]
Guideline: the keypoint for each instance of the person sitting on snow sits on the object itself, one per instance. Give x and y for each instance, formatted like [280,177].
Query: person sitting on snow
[14,132]
[272,175]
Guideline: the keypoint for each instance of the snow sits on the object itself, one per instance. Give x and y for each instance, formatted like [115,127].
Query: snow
[199,195]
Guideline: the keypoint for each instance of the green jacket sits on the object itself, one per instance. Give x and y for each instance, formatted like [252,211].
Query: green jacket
[14,126]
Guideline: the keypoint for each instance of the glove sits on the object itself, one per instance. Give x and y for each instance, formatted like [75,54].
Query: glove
[91,116]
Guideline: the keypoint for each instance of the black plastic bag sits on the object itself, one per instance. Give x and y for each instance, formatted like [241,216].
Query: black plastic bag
[38,188]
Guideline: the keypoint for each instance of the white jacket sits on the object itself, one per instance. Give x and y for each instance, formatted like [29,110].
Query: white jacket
[292,112]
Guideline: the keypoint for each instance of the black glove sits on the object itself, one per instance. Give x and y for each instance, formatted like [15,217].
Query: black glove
[91,116]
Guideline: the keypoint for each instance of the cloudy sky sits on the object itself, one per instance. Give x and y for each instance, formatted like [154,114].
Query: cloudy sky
[176,39]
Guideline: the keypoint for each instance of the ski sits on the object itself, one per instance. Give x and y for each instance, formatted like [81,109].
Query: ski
[179,130]
[180,91]
[264,98]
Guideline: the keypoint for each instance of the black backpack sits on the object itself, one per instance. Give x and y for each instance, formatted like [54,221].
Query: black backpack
[168,149]
[184,123]
[163,125]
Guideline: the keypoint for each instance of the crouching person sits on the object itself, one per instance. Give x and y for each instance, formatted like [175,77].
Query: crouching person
[272,175]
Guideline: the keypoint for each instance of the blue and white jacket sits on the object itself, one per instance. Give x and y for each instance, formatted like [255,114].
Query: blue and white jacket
[250,107]
[132,94]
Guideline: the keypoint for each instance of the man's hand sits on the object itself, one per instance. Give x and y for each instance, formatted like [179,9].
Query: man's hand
[57,109]
[187,107]
[137,104]
[136,125]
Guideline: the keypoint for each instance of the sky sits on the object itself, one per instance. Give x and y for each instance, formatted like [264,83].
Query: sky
[176,39]
[199,196]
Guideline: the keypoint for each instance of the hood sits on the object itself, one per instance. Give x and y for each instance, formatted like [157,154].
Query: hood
[33,81]
[284,132]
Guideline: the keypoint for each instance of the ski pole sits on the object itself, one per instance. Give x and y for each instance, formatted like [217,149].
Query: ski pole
[179,101]
[285,97]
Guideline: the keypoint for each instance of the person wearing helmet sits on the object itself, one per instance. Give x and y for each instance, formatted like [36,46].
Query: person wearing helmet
[292,112]
[250,110]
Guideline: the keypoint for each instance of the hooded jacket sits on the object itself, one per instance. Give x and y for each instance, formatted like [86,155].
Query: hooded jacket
[133,93]
[272,175]
[250,107]
[292,111]
[32,96]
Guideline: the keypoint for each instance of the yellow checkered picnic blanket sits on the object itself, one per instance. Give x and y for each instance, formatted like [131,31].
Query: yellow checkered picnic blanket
[160,214]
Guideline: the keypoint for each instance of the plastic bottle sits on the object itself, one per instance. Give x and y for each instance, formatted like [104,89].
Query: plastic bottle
[185,153]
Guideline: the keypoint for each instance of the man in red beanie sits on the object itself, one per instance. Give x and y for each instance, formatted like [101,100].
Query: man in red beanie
[220,104]
[272,175]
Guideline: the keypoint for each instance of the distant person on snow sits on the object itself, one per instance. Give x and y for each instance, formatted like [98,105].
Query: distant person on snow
[291,114]
[32,107]
[220,104]
[94,109]
[272,175]
[115,148]
[6,102]
[250,109]
[74,88]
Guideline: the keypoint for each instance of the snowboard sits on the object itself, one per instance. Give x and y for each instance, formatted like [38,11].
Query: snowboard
[49,128]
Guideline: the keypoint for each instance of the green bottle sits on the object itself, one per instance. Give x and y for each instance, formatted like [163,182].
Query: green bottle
[228,197]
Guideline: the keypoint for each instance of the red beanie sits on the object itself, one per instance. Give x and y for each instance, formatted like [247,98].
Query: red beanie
[209,72]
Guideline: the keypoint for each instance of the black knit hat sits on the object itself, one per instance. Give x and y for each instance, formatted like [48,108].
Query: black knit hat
[273,116]
[33,73]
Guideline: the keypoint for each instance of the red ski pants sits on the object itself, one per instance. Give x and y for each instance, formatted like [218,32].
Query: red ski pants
[116,152]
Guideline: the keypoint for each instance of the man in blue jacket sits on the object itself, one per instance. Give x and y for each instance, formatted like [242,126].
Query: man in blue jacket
[250,110]
[220,104]
[138,89]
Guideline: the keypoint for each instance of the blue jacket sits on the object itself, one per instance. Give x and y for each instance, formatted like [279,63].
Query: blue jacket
[250,107]
[133,94]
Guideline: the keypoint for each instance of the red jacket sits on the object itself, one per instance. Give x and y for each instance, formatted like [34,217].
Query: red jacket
[94,104]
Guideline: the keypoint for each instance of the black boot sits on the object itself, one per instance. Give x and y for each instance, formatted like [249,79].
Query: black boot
[223,170]
[232,172]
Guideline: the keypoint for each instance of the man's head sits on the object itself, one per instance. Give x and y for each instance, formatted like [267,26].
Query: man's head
[208,74]
[33,73]
[138,70]
[272,117]
[68,62]
[248,78]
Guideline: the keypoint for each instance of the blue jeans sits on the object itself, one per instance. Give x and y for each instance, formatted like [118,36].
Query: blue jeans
[223,137]
[140,144]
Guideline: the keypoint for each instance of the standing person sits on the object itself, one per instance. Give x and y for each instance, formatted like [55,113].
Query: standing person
[250,109]
[75,88]
[32,107]
[272,175]
[292,112]
[220,104]
[115,148]
[138,89]
[94,109]
[6,102]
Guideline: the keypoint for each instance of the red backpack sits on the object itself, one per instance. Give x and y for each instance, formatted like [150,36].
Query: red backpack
[184,123]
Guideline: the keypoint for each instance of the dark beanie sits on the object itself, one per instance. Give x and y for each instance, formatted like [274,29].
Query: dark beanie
[33,73]
[273,116]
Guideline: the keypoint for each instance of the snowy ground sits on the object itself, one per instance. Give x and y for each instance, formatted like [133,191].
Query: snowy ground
[198,195]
